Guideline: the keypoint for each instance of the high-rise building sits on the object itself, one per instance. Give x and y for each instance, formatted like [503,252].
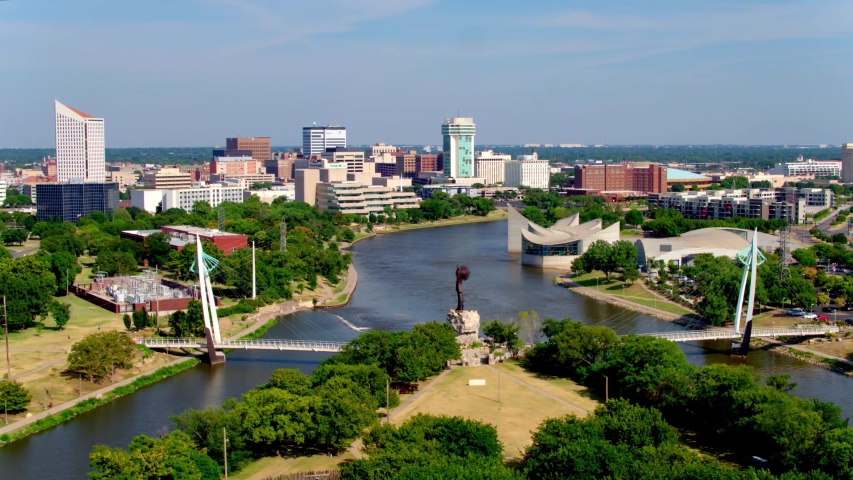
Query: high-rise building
[259,146]
[646,178]
[315,140]
[530,173]
[847,163]
[490,166]
[68,202]
[79,145]
[354,159]
[458,133]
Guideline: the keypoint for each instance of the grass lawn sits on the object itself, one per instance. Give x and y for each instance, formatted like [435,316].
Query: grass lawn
[633,293]
[274,466]
[26,246]
[520,411]
[337,300]
[44,354]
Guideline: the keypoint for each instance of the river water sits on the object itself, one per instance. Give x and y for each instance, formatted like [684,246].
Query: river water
[403,279]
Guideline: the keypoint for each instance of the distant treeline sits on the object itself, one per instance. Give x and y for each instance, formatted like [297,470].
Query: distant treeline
[760,157]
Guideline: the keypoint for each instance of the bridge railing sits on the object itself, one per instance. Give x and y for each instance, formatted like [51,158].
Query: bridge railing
[726,333]
[254,344]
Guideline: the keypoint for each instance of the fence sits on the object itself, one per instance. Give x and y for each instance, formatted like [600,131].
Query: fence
[327,475]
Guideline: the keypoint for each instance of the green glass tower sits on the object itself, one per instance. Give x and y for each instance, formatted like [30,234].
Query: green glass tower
[458,133]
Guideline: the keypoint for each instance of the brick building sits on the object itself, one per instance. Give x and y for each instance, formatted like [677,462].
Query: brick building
[646,178]
[181,235]
[259,146]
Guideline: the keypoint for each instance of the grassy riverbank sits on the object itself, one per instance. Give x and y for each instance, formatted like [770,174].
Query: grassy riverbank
[634,293]
[64,412]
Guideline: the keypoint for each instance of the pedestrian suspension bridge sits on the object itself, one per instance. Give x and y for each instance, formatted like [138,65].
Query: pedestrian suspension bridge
[750,257]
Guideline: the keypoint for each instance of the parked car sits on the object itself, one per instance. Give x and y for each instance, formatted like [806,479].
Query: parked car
[830,309]
[822,318]
[795,312]
[848,321]
[810,316]
[847,308]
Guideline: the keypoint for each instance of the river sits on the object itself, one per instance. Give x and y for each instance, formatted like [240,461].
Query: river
[403,279]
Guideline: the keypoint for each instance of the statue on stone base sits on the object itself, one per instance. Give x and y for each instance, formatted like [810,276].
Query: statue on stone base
[466,323]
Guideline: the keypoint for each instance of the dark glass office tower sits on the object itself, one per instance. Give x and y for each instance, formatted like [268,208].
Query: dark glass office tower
[69,202]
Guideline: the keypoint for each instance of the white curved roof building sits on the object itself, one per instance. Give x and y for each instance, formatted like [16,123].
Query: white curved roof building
[719,241]
[557,246]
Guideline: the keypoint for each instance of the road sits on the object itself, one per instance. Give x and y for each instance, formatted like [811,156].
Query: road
[801,232]
[22,253]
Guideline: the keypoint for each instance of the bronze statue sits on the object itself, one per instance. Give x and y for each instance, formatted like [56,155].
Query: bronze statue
[462,274]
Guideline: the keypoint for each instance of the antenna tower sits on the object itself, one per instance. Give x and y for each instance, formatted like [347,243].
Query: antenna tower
[784,271]
[282,238]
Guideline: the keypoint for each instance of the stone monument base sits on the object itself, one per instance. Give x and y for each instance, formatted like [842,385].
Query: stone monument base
[466,324]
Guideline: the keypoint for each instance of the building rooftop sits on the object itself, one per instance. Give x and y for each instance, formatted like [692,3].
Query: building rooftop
[206,232]
[676,174]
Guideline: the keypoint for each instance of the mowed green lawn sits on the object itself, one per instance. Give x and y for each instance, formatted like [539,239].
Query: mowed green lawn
[633,293]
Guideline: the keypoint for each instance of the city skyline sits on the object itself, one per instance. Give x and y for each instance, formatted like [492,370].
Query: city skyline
[621,74]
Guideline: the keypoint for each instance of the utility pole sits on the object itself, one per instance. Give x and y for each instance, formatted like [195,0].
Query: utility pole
[225,451]
[784,272]
[282,236]
[157,299]
[387,403]
[606,389]
[254,291]
[6,327]
[499,383]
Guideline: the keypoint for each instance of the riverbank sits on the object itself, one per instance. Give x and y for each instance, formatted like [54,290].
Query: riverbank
[800,352]
[633,300]
[68,410]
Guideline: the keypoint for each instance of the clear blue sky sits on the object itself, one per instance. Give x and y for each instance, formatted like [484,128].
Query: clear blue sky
[192,72]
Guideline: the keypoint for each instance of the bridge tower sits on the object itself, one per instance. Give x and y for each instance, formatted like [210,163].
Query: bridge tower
[203,265]
[751,257]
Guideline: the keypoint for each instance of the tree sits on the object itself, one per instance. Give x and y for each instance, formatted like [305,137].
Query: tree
[631,275]
[15,395]
[98,353]
[607,257]
[158,248]
[140,319]
[678,187]
[839,238]
[346,235]
[804,257]
[188,324]
[292,380]
[126,320]
[369,376]
[15,235]
[501,332]
[535,215]
[344,410]
[28,284]
[531,326]
[61,313]
[65,268]
[634,217]
[4,254]
[171,457]
[115,263]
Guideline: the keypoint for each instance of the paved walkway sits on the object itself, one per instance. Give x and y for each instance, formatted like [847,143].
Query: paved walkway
[539,390]
[352,281]
[418,394]
[36,417]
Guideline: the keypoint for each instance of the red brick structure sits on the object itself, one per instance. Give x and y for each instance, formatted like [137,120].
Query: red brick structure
[427,162]
[648,178]
[226,242]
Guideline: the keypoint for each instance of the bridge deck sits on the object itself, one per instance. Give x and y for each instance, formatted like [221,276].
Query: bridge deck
[727,333]
[258,344]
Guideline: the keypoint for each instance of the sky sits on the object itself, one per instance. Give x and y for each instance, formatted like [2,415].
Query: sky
[193,72]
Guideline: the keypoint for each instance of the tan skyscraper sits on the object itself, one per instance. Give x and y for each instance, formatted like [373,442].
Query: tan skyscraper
[847,162]
[260,147]
[79,145]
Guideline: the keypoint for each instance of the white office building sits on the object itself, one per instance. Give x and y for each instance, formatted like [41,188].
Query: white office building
[315,140]
[847,163]
[529,173]
[490,165]
[185,198]
[79,145]
[818,168]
